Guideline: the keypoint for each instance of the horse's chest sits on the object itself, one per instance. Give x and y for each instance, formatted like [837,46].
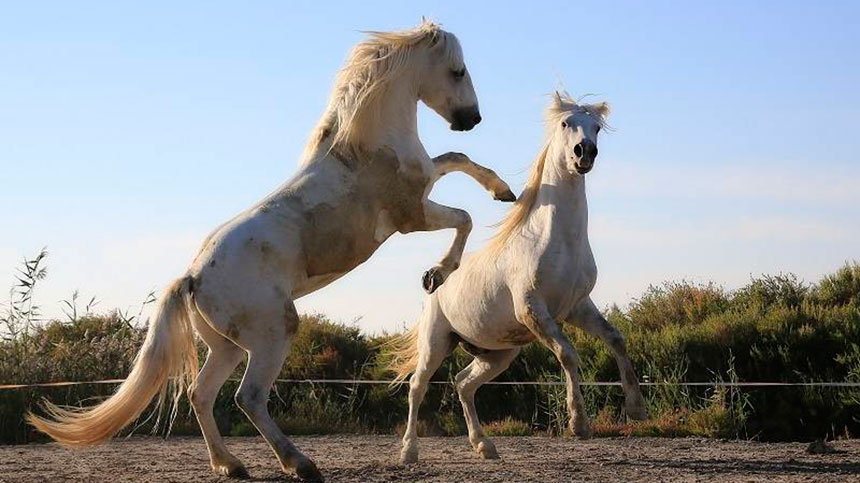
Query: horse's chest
[381,198]
[566,279]
[398,191]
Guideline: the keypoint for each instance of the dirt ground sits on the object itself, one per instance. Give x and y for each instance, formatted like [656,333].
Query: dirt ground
[350,458]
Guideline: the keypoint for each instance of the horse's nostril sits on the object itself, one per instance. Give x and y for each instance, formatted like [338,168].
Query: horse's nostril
[577,150]
[476,119]
[595,151]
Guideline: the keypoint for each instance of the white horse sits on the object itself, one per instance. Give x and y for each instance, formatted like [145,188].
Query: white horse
[537,270]
[364,176]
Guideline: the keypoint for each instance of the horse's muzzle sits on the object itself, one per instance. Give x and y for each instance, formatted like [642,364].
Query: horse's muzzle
[466,118]
[585,153]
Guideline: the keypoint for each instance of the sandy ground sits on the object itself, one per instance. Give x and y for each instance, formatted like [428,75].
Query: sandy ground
[349,458]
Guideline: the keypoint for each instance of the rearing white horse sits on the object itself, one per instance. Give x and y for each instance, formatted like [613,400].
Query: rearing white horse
[364,176]
[538,269]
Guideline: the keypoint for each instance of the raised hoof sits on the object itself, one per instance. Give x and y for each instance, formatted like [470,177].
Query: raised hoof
[307,471]
[507,196]
[487,450]
[232,471]
[432,280]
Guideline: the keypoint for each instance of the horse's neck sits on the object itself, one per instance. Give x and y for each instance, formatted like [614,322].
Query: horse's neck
[393,121]
[398,116]
[561,207]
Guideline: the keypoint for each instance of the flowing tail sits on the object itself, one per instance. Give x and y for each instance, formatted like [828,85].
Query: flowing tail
[166,363]
[403,354]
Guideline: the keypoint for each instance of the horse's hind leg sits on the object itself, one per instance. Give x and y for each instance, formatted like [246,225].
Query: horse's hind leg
[587,317]
[223,358]
[434,343]
[484,367]
[268,342]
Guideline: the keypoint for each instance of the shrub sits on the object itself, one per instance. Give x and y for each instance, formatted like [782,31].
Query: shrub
[508,427]
[840,288]
[782,289]
[677,303]
[774,329]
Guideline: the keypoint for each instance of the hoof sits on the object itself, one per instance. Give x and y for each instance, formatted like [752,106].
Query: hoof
[408,457]
[507,196]
[307,471]
[432,280]
[487,450]
[231,470]
[582,431]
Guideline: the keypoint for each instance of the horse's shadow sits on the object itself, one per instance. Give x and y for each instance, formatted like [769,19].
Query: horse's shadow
[404,473]
[740,465]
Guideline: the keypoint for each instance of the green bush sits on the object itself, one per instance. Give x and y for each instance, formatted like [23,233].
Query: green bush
[508,427]
[776,328]
[840,288]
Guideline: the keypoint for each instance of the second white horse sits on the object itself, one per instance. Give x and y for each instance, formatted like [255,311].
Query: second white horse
[537,270]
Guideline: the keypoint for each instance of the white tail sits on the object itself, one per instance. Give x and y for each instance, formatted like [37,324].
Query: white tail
[167,358]
[404,354]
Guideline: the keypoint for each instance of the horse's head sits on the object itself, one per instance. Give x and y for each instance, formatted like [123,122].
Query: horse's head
[444,83]
[577,126]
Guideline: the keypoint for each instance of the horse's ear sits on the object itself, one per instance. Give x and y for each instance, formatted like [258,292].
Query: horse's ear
[435,37]
[428,27]
[602,108]
[556,99]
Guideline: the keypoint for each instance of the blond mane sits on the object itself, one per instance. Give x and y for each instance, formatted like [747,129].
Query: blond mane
[361,84]
[561,106]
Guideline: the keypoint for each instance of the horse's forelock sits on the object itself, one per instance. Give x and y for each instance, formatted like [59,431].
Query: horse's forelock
[564,104]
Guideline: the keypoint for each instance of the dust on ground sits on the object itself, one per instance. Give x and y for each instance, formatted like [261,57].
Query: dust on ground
[362,458]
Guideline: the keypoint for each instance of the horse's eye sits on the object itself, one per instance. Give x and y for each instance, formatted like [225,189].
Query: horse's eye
[564,124]
[459,74]
[598,129]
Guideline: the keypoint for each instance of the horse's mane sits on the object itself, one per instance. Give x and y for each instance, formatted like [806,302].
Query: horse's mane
[561,106]
[362,82]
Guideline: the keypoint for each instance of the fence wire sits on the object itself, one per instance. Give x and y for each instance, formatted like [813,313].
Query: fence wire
[491,383]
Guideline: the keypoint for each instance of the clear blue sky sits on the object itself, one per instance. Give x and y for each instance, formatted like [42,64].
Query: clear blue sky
[129,131]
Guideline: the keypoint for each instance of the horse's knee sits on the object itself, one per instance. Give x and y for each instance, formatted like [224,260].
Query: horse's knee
[569,358]
[616,340]
[198,398]
[466,391]
[464,220]
[250,400]
[417,388]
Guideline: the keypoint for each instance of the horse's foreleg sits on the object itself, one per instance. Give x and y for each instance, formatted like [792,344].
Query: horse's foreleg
[439,217]
[587,317]
[487,178]
[532,312]
[485,367]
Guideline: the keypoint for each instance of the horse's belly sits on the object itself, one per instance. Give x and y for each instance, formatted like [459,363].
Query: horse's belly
[490,325]
[496,334]
[338,237]
[337,253]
